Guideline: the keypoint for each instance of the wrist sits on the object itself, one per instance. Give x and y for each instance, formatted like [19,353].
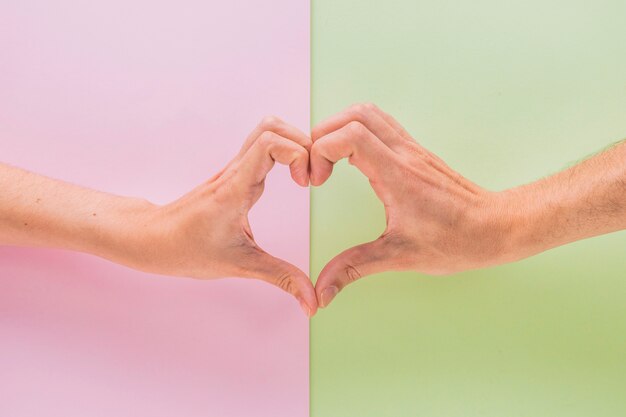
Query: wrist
[126,232]
[521,223]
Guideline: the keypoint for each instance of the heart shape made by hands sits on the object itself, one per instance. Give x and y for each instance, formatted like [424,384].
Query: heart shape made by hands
[437,221]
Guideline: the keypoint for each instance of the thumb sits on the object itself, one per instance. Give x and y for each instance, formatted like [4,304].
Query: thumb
[349,266]
[285,276]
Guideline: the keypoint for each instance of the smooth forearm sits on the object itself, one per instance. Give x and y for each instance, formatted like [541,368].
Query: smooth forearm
[39,211]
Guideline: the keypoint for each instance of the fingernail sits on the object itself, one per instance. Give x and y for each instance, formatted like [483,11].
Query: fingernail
[328,294]
[305,307]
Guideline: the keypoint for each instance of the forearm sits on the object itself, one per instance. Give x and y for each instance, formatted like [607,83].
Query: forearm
[39,211]
[586,200]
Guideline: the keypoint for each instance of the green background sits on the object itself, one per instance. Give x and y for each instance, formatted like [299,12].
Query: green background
[505,92]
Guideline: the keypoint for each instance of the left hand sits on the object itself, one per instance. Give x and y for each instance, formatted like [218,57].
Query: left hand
[438,222]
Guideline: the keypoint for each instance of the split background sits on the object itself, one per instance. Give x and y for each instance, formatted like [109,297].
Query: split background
[151,98]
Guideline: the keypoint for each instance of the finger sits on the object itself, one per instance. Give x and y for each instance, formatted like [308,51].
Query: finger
[352,265]
[285,276]
[353,141]
[276,125]
[367,114]
[271,124]
[382,124]
[391,121]
[269,148]
[440,163]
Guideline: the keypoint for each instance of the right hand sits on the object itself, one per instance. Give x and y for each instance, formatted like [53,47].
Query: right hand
[206,234]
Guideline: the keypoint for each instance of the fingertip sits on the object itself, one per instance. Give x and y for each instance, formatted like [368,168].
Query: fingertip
[327,295]
[304,179]
[299,169]
[314,181]
[308,304]
[326,288]
[300,177]
[305,294]
[306,309]
[312,309]
[319,176]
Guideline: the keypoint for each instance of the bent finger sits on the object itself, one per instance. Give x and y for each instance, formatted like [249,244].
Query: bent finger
[367,114]
[355,142]
[281,128]
[269,148]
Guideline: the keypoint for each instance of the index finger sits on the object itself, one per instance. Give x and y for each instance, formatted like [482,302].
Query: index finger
[368,115]
[281,128]
[355,142]
[269,148]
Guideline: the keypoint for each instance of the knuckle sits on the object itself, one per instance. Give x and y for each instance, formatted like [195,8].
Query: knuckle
[267,139]
[352,273]
[220,192]
[370,106]
[365,110]
[285,282]
[356,128]
[411,148]
[300,153]
[316,134]
[359,111]
[317,151]
[270,122]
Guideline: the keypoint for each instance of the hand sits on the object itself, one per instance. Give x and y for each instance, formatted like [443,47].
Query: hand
[206,233]
[437,221]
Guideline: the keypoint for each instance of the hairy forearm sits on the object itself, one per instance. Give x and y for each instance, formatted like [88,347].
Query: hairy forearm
[586,200]
[39,211]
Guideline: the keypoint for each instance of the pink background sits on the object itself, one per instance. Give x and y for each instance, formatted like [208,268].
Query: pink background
[150,98]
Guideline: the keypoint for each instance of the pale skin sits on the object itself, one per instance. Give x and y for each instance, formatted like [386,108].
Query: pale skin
[204,234]
[439,222]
